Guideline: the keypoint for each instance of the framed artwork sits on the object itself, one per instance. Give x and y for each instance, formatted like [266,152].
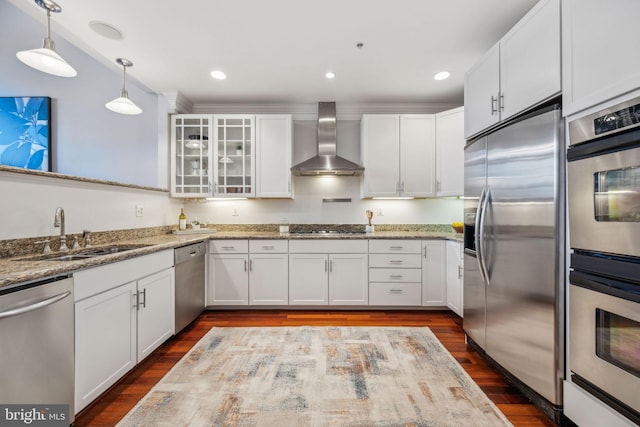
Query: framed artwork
[25,132]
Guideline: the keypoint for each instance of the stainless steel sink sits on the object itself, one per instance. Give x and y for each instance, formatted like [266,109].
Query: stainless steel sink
[83,254]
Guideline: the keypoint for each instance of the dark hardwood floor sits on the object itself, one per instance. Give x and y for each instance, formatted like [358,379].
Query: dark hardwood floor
[116,402]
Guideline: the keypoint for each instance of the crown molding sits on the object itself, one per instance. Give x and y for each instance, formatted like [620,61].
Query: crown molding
[178,103]
[344,111]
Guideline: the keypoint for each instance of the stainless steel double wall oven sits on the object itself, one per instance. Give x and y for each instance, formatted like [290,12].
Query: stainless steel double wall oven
[604,218]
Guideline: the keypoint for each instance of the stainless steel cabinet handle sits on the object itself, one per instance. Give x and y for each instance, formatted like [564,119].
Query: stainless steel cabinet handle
[228,248]
[395,291]
[396,248]
[395,261]
[438,186]
[35,306]
[501,102]
[144,298]
[460,270]
[396,276]
[136,305]
[330,266]
[268,247]
[250,265]
[325,266]
[245,265]
[494,105]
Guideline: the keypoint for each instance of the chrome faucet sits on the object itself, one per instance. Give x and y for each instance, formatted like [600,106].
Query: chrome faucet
[59,222]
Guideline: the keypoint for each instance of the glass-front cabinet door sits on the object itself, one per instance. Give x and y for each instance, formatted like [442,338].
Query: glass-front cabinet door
[234,168]
[190,145]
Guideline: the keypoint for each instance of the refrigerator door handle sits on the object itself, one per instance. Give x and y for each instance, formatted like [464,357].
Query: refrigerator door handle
[481,233]
[477,234]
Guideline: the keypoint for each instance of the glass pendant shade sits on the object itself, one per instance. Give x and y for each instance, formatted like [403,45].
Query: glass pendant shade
[46,59]
[122,104]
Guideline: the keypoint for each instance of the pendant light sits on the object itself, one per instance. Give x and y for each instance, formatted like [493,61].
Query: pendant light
[46,59]
[123,104]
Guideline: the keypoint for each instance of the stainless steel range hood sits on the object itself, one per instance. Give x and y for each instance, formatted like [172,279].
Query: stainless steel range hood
[327,161]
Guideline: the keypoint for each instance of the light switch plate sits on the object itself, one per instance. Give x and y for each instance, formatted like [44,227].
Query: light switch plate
[139,210]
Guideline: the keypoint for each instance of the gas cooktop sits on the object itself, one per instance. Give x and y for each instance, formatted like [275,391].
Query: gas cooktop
[328,232]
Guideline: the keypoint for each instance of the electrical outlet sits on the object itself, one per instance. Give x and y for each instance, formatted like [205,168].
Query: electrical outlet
[380,212]
[139,210]
[236,212]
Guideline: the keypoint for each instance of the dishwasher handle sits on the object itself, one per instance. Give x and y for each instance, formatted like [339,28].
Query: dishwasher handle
[35,306]
[189,252]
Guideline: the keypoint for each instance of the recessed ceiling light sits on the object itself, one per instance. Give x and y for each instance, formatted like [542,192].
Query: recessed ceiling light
[218,75]
[330,75]
[106,30]
[442,75]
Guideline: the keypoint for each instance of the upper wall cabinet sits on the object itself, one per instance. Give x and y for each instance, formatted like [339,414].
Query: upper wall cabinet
[231,155]
[450,153]
[598,45]
[234,156]
[398,155]
[190,172]
[273,155]
[519,72]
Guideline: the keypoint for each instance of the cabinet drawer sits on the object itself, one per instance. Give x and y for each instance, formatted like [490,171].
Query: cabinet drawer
[394,247]
[395,275]
[228,246]
[395,294]
[395,261]
[268,246]
[328,246]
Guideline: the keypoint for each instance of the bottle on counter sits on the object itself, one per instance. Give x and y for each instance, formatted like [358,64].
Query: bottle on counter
[182,220]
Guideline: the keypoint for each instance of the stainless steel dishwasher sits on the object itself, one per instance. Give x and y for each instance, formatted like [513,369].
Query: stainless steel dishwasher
[37,344]
[189,266]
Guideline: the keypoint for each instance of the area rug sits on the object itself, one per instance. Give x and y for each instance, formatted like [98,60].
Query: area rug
[317,376]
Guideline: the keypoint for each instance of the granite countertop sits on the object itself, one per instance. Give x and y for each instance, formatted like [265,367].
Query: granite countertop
[23,269]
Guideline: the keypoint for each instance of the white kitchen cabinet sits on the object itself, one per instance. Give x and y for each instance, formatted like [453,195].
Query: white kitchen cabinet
[234,156]
[348,279]
[123,311]
[268,272]
[328,272]
[229,279]
[398,154]
[395,272]
[245,272]
[598,41]
[308,279]
[155,300]
[521,71]
[434,273]
[105,341]
[454,277]
[273,156]
[190,165]
[450,152]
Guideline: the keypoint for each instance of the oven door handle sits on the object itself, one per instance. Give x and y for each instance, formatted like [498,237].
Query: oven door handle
[15,311]
[605,285]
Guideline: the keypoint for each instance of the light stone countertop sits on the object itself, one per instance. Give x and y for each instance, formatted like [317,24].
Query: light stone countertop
[24,269]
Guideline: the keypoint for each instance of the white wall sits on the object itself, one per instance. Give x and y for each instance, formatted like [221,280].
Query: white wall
[30,201]
[88,140]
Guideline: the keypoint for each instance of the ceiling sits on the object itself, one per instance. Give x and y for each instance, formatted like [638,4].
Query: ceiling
[278,51]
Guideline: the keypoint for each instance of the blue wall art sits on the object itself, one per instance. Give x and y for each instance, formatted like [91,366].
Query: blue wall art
[25,133]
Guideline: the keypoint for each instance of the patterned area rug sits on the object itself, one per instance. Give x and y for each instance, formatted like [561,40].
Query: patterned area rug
[317,376]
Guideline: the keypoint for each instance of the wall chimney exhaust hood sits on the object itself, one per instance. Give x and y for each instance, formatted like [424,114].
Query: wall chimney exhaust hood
[327,161]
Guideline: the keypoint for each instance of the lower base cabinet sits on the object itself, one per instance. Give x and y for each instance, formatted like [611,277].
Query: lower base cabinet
[434,273]
[328,272]
[123,311]
[454,277]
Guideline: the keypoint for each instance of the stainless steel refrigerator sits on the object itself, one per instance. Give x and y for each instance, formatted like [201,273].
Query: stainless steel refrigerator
[514,214]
